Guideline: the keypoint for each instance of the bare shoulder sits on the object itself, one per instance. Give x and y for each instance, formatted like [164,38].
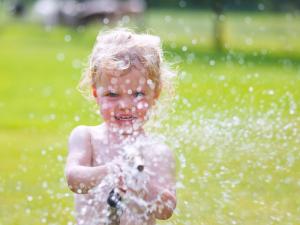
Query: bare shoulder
[160,147]
[97,132]
[79,133]
[159,152]
[161,160]
[82,132]
[80,146]
[164,150]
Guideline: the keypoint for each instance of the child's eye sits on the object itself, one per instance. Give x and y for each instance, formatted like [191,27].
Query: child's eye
[111,94]
[139,94]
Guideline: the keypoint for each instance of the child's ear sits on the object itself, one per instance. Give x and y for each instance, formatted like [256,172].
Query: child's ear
[94,90]
[157,92]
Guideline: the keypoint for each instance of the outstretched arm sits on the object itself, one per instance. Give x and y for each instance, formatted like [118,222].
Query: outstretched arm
[81,176]
[161,187]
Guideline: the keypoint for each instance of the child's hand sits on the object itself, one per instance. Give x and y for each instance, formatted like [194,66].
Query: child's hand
[116,169]
[128,177]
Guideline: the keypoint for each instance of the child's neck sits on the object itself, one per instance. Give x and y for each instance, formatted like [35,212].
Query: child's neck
[118,137]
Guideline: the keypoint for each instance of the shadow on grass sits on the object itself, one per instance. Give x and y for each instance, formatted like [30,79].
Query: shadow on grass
[264,57]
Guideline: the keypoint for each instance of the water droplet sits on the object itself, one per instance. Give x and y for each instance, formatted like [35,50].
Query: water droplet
[105,20]
[45,184]
[113,80]
[52,116]
[151,84]
[248,19]
[76,64]
[43,151]
[184,48]
[125,19]
[29,198]
[182,3]
[261,6]
[140,105]
[60,56]
[68,38]
[60,158]
[77,118]
[168,19]
[248,41]
[27,211]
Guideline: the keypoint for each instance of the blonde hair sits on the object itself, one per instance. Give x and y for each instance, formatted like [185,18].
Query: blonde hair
[121,49]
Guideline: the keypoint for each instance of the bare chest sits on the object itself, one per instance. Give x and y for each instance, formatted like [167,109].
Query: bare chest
[103,151]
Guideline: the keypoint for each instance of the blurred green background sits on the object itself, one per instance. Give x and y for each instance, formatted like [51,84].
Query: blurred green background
[235,130]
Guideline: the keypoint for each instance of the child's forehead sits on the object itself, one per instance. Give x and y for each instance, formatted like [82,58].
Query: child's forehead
[117,78]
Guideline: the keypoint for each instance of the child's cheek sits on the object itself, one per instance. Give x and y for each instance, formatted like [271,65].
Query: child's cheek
[142,107]
[107,109]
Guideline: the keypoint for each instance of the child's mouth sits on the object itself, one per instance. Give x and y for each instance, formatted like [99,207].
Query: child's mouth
[125,118]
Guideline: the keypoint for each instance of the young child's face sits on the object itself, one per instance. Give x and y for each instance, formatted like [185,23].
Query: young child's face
[125,99]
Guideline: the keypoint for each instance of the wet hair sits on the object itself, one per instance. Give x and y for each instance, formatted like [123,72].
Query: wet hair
[122,49]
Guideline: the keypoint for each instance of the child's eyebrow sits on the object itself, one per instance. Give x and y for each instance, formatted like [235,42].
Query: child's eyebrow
[106,90]
[139,88]
[110,88]
[109,91]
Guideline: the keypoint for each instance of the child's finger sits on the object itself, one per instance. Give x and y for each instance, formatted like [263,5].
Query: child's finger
[117,170]
[122,184]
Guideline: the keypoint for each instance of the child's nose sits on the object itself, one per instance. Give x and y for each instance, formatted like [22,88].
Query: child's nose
[126,103]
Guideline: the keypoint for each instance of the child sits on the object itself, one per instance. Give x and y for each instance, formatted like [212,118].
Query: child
[120,174]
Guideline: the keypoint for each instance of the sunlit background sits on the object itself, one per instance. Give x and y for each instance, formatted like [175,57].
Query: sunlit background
[235,122]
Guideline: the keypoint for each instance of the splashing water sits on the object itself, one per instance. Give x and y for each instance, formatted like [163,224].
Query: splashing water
[237,166]
[234,165]
[237,151]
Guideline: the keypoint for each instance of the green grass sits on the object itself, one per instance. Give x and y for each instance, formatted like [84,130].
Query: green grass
[236,125]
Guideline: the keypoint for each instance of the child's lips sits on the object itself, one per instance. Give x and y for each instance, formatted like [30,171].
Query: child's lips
[125,117]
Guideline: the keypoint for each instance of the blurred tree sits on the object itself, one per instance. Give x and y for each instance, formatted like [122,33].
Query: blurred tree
[18,8]
[248,5]
[217,6]
[277,5]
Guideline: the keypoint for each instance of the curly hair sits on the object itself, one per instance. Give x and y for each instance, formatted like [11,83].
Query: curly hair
[121,49]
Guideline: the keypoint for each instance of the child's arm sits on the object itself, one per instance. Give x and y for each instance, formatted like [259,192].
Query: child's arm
[81,176]
[161,188]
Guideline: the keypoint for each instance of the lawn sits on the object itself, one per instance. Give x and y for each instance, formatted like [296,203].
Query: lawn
[234,128]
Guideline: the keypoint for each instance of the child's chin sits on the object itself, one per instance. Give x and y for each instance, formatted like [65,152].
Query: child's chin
[128,129]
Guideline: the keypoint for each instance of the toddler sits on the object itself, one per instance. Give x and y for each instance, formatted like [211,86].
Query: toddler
[119,173]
